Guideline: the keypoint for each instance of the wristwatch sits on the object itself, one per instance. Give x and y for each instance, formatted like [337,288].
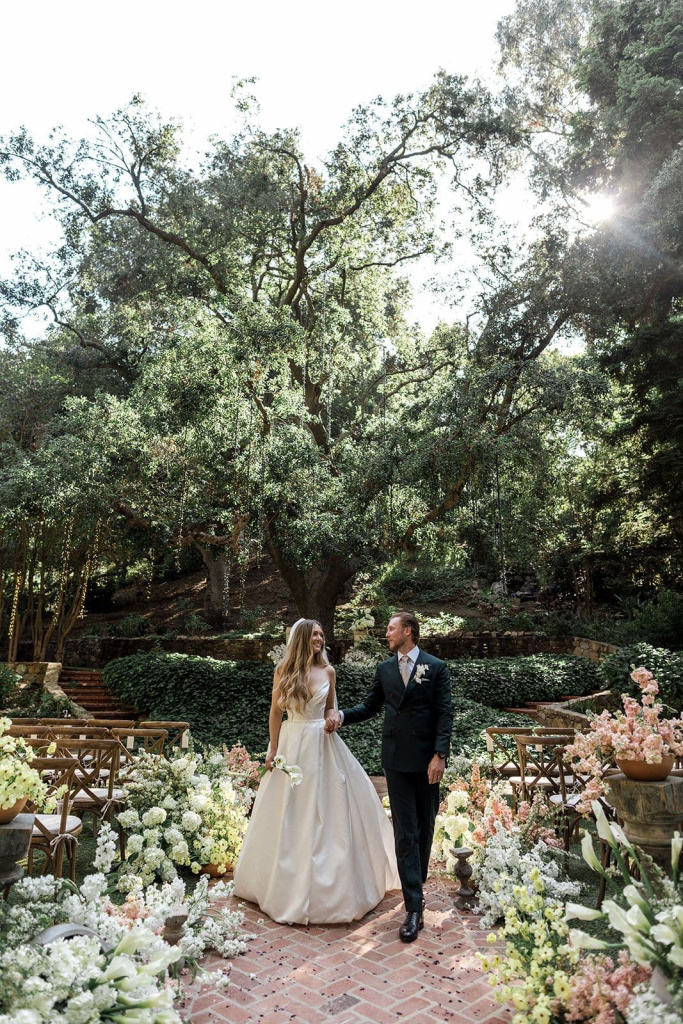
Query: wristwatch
[439,754]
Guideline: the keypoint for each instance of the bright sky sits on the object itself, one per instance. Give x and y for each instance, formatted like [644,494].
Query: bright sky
[66,62]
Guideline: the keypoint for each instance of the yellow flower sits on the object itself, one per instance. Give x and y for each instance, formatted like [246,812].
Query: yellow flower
[561,987]
[519,1000]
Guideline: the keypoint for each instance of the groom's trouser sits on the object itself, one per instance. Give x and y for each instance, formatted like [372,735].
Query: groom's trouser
[414,805]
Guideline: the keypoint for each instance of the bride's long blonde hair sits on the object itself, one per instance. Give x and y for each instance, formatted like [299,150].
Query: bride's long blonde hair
[296,664]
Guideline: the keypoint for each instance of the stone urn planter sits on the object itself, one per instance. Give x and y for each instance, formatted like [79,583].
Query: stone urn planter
[643,771]
[212,871]
[651,813]
[15,837]
[8,814]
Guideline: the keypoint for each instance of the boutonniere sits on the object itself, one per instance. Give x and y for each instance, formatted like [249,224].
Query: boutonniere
[420,672]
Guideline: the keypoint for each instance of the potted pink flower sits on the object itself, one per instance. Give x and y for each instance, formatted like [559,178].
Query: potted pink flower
[643,743]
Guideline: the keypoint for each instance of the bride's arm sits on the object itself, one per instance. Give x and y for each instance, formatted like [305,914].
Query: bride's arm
[331,702]
[274,721]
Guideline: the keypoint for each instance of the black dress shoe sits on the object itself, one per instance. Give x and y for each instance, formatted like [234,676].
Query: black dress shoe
[413,923]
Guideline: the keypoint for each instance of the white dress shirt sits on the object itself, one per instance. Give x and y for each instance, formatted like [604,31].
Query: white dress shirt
[412,658]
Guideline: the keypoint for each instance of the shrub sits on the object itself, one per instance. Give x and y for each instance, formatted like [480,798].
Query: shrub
[510,682]
[423,582]
[132,625]
[8,684]
[35,702]
[228,702]
[666,666]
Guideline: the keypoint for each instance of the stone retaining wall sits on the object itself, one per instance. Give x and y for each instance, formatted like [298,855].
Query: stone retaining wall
[96,652]
[43,673]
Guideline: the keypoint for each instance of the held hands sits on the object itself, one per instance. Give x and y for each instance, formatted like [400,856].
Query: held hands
[435,769]
[332,720]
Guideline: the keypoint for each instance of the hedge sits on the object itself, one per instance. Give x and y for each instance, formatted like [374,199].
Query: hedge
[665,665]
[510,682]
[228,702]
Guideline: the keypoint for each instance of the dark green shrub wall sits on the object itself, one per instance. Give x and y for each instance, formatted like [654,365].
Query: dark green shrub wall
[228,702]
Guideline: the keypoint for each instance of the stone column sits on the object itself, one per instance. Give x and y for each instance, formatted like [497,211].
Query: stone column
[651,812]
[15,837]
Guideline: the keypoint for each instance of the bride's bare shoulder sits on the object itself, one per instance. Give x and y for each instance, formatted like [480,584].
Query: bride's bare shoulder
[331,674]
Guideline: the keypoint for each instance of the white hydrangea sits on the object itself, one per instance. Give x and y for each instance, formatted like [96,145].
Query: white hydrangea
[646,1007]
[191,821]
[154,816]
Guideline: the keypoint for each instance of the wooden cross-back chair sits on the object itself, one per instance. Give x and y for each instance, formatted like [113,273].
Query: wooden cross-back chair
[96,775]
[29,731]
[502,748]
[57,832]
[542,765]
[178,732]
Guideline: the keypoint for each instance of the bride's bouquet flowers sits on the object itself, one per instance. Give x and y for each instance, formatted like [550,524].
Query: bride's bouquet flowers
[292,771]
[18,780]
[638,733]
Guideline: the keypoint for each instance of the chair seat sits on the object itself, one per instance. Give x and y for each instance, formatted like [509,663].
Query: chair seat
[53,823]
[103,773]
[571,801]
[99,794]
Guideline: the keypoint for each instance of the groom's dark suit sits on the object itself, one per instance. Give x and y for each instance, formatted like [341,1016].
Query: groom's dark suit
[418,720]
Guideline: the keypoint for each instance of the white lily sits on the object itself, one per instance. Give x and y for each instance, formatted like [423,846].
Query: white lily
[581,940]
[675,954]
[676,847]
[589,853]
[603,826]
[634,898]
[617,918]
[663,933]
[636,918]
[575,910]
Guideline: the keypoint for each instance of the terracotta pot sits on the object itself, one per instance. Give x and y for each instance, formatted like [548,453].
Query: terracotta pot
[212,871]
[10,813]
[641,771]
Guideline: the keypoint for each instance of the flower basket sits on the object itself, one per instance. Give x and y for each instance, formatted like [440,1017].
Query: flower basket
[8,814]
[643,771]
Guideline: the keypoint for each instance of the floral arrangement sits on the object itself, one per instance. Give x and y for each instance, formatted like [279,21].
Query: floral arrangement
[544,976]
[182,812]
[292,771]
[366,652]
[121,973]
[18,780]
[277,653]
[638,733]
[650,925]
[452,827]
[507,865]
[242,768]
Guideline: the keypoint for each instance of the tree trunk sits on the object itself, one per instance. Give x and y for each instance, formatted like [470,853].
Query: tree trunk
[315,590]
[216,565]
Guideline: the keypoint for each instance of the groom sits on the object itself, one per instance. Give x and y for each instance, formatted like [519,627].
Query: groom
[415,690]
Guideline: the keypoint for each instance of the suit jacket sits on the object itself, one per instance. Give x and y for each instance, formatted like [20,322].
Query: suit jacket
[418,718]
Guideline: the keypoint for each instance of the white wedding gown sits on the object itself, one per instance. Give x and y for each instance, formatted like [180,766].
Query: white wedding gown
[322,852]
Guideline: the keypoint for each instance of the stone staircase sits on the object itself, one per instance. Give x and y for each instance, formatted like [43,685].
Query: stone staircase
[86,687]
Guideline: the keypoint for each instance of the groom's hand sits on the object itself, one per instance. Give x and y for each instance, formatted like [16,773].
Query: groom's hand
[332,720]
[436,768]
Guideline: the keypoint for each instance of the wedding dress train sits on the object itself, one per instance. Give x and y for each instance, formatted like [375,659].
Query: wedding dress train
[323,852]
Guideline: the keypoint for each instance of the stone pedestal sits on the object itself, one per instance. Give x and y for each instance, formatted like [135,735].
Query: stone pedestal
[15,837]
[651,812]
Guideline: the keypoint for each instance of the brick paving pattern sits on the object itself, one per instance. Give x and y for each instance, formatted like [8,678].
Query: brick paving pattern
[351,974]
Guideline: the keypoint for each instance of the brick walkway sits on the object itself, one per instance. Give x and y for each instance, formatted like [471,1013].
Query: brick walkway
[349,974]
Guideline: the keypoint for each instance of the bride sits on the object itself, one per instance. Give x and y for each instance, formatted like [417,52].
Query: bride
[323,852]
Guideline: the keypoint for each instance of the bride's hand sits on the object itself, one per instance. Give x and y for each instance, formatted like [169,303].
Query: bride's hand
[270,757]
[332,720]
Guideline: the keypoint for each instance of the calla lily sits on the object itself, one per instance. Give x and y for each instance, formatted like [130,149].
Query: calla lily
[676,847]
[636,918]
[589,854]
[120,967]
[675,954]
[635,899]
[663,933]
[603,826]
[617,917]
[575,910]
[136,939]
[581,940]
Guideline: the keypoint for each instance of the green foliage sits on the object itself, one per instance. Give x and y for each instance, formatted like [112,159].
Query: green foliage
[131,625]
[228,702]
[8,684]
[509,682]
[666,666]
[423,583]
[35,702]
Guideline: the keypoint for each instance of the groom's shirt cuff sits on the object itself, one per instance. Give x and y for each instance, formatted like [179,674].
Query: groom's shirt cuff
[342,717]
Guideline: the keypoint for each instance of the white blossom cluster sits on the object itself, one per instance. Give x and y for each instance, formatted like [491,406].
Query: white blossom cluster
[646,1008]
[504,863]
